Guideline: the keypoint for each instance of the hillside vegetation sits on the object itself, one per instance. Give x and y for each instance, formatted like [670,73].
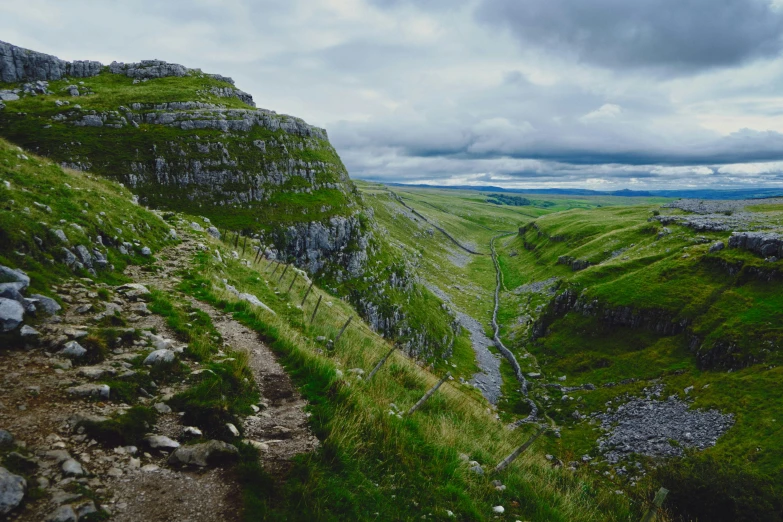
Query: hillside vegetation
[626,301]
[371,461]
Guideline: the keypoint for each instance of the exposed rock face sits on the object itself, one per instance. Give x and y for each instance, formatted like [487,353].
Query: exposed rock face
[341,240]
[766,244]
[659,321]
[148,69]
[18,64]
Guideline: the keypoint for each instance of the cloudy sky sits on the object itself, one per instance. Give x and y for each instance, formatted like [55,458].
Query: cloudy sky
[601,94]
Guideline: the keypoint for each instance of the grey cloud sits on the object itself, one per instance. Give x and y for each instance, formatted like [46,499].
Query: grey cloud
[673,35]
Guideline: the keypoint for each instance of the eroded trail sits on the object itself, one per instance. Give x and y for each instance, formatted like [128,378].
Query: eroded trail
[281,428]
[48,395]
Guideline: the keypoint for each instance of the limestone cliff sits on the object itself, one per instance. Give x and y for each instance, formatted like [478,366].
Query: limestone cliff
[189,141]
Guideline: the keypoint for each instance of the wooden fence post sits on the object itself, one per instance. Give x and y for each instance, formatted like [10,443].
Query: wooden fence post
[307,293]
[296,274]
[660,496]
[380,363]
[517,452]
[428,394]
[312,317]
[343,329]
[236,240]
[283,274]
[244,244]
[277,265]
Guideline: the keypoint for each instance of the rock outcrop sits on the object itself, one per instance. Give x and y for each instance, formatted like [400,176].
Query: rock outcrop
[19,65]
[765,244]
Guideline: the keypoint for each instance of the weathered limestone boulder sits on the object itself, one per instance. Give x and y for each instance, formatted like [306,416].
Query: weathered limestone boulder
[97,391]
[12,489]
[160,442]
[11,314]
[160,357]
[73,350]
[212,453]
[46,304]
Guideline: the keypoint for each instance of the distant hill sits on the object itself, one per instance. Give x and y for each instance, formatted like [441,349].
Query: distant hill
[685,193]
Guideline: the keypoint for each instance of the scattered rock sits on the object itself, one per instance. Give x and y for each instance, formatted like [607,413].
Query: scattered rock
[214,232]
[72,468]
[99,391]
[232,429]
[6,439]
[73,350]
[29,333]
[62,514]
[210,453]
[160,442]
[159,357]
[192,432]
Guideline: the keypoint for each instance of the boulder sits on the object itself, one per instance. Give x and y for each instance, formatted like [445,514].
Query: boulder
[160,442]
[145,251]
[73,350]
[12,489]
[72,468]
[214,232]
[717,247]
[9,275]
[98,391]
[159,357]
[134,290]
[11,314]
[212,453]
[46,304]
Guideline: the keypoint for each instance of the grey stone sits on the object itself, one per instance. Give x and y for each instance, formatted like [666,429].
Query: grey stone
[210,453]
[29,333]
[145,251]
[98,391]
[62,514]
[133,290]
[717,246]
[162,407]
[68,258]
[214,232]
[46,304]
[195,226]
[161,442]
[88,508]
[11,314]
[73,350]
[14,276]
[160,357]
[6,439]
[60,235]
[84,255]
[12,490]
[72,468]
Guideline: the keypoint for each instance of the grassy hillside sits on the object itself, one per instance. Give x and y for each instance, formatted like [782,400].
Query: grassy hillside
[371,463]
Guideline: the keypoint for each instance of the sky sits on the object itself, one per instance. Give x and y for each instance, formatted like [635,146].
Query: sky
[599,94]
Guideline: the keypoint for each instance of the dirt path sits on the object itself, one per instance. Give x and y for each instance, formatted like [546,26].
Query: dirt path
[38,408]
[281,427]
